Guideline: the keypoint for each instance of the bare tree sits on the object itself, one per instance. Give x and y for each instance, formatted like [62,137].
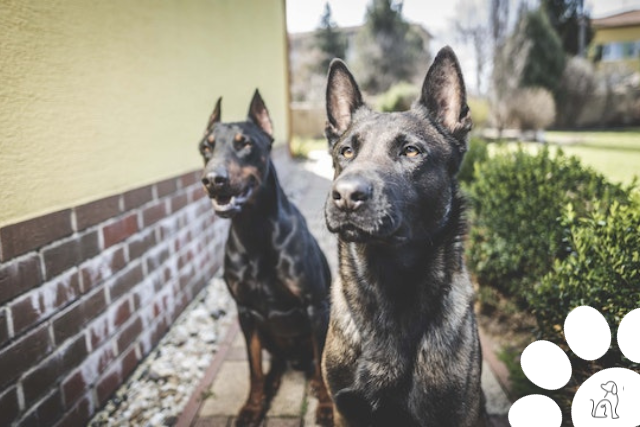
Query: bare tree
[499,21]
[508,67]
[472,28]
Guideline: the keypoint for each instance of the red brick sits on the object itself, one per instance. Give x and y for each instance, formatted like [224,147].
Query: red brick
[50,409]
[182,240]
[129,334]
[73,388]
[196,193]
[107,385]
[138,197]
[185,258]
[73,354]
[126,281]
[102,268]
[166,187]
[181,303]
[120,230]
[72,321]
[79,415]
[96,212]
[44,301]
[157,258]
[129,362]
[159,329]
[179,201]
[153,334]
[23,354]
[4,328]
[20,238]
[61,257]
[9,406]
[17,277]
[41,380]
[190,178]
[30,420]
[154,213]
[104,327]
[141,244]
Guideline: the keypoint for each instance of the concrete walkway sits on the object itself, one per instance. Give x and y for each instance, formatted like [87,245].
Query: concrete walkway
[226,386]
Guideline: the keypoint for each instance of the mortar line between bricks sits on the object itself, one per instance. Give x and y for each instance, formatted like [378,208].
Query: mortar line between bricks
[192,409]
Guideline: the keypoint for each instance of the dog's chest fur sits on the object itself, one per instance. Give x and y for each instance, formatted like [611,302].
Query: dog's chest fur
[398,315]
[409,335]
[263,275]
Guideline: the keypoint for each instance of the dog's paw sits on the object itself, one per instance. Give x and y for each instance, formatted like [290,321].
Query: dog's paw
[250,415]
[607,398]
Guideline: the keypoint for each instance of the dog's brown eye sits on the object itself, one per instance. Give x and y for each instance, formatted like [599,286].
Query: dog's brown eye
[410,151]
[346,152]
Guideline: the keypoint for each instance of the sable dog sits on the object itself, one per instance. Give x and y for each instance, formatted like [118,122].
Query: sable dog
[273,266]
[402,347]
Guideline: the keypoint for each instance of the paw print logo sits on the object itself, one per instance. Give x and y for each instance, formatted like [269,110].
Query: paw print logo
[609,398]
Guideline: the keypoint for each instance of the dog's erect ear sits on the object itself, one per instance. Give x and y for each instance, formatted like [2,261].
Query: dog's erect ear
[259,114]
[343,99]
[445,96]
[215,116]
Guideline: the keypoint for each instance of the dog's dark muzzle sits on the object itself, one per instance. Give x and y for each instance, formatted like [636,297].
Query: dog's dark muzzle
[351,193]
[356,212]
[226,201]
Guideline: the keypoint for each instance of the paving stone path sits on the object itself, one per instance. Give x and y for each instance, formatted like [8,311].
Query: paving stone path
[307,184]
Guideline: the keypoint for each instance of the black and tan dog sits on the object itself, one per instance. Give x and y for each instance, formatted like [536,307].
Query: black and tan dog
[273,266]
[402,347]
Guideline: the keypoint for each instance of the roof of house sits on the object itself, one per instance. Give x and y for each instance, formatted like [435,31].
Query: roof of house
[624,19]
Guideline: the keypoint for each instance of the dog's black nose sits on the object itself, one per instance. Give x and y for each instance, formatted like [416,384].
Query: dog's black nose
[349,193]
[215,179]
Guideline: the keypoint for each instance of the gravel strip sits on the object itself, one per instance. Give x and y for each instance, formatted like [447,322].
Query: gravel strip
[159,389]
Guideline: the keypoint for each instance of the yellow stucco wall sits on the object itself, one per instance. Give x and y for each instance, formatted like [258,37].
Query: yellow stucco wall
[608,35]
[99,97]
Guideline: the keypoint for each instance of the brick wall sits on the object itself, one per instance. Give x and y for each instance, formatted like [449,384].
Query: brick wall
[86,293]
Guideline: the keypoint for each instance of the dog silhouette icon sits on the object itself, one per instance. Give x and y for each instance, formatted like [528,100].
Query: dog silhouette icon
[609,404]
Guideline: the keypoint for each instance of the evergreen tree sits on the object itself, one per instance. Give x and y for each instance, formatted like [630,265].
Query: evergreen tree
[389,49]
[331,42]
[564,16]
[545,60]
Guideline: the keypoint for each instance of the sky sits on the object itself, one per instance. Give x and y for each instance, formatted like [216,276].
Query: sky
[437,16]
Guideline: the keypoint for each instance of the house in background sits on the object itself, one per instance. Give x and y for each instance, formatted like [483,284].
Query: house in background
[617,40]
[105,231]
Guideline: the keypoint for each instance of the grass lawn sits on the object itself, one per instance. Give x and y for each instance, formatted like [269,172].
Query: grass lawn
[614,153]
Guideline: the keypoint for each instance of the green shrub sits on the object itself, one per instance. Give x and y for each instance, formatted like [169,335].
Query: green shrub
[399,97]
[476,153]
[517,199]
[300,147]
[602,269]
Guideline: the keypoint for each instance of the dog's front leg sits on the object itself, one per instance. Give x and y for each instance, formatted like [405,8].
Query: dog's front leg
[254,409]
[319,316]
